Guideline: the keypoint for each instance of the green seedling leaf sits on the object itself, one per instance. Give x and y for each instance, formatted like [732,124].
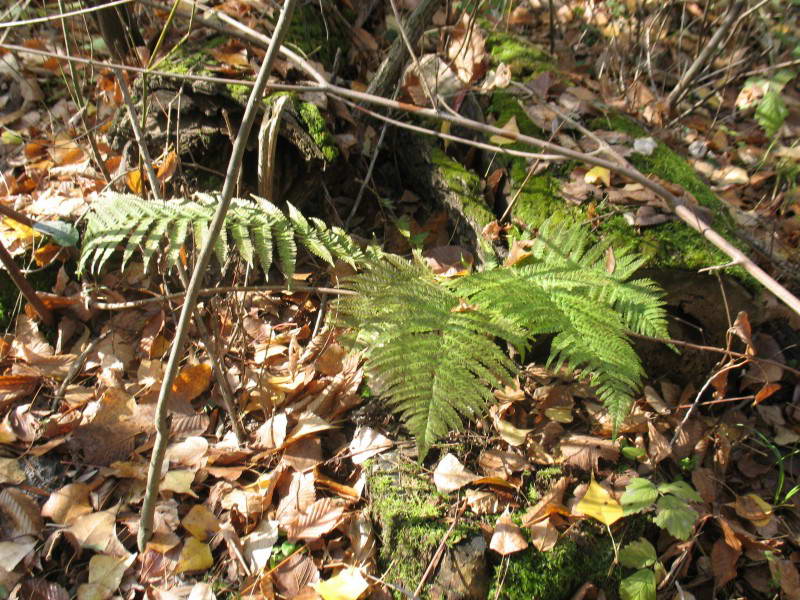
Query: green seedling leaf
[11,137]
[633,452]
[674,515]
[638,554]
[639,495]
[771,112]
[639,586]
[681,489]
[63,234]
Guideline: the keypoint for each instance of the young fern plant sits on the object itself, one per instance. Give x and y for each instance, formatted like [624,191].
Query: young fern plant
[258,229]
[430,346]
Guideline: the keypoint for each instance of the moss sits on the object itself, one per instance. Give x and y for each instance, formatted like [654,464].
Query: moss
[239,92]
[411,514]
[558,573]
[315,36]
[674,244]
[523,57]
[464,183]
[318,130]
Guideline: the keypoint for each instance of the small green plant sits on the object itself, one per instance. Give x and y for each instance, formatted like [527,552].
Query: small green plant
[430,344]
[672,513]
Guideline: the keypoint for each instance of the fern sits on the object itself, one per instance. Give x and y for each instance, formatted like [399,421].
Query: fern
[258,230]
[430,346]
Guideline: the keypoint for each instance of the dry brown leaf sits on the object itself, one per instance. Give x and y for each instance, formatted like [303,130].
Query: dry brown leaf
[467,50]
[97,531]
[482,502]
[65,505]
[584,451]
[659,448]
[500,463]
[507,537]
[723,562]
[753,508]
[315,521]
[785,574]
[191,381]
[19,514]
[367,443]
[451,475]
[200,522]
[544,535]
[292,575]
[272,433]
[551,503]
[11,471]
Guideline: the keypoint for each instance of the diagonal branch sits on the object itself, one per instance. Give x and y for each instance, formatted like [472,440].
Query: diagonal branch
[162,428]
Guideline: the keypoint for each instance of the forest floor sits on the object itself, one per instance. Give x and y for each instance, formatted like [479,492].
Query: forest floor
[322,493]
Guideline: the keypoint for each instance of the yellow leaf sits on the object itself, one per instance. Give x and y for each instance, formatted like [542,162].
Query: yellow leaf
[23,232]
[598,175]
[512,128]
[599,504]
[195,556]
[192,381]
[200,522]
[179,481]
[511,434]
[348,584]
[134,181]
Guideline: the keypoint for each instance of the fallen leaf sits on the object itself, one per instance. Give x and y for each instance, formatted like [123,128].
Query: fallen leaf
[258,544]
[19,514]
[544,535]
[195,556]
[191,381]
[315,521]
[753,508]
[200,522]
[179,481]
[367,443]
[723,562]
[347,584]
[511,128]
[600,505]
[105,576]
[451,475]
[597,175]
[507,537]
[11,472]
[67,504]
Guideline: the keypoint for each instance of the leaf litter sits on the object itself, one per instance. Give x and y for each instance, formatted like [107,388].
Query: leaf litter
[285,513]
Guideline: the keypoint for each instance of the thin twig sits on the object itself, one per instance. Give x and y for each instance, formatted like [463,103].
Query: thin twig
[440,550]
[715,350]
[75,368]
[217,367]
[199,271]
[706,385]
[218,290]
[137,132]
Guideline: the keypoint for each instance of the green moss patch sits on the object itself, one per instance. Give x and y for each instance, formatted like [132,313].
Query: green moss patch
[556,574]
[410,513]
[524,58]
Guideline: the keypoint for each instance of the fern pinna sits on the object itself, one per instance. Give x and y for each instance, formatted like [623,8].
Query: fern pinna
[254,226]
[430,346]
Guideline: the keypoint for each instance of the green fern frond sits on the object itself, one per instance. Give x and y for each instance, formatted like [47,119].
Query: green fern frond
[431,347]
[432,357]
[256,230]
